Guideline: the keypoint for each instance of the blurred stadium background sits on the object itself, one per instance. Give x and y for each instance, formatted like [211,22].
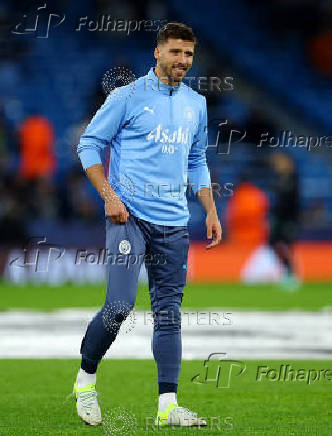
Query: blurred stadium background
[277,56]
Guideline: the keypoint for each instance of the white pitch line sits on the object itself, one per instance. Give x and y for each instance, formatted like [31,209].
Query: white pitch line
[251,335]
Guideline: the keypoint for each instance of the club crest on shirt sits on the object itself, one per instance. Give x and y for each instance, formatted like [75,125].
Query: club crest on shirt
[124,247]
[189,113]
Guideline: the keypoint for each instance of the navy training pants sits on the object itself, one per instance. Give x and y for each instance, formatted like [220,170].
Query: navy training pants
[164,250]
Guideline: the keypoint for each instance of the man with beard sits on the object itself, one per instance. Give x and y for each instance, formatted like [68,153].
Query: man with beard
[155,129]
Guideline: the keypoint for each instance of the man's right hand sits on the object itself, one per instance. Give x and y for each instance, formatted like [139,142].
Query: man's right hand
[116,211]
[114,207]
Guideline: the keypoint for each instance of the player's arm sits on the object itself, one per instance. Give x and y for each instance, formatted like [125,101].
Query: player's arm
[97,136]
[114,207]
[200,181]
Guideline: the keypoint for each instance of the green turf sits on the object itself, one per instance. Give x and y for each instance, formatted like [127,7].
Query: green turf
[34,400]
[311,296]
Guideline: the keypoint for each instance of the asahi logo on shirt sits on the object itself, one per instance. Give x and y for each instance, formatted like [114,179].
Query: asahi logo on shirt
[177,136]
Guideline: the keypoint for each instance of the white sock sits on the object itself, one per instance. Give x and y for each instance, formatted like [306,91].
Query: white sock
[166,399]
[84,378]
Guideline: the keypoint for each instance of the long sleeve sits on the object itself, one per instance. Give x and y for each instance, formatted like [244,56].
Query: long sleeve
[102,128]
[198,172]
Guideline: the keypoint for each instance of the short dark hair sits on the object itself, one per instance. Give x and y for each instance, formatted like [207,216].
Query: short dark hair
[177,31]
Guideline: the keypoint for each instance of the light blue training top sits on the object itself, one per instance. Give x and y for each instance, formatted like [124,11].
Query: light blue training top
[157,138]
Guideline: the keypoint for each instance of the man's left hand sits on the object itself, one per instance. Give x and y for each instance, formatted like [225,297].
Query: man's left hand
[213,229]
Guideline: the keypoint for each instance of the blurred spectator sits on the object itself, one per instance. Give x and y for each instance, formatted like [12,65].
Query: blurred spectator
[11,48]
[121,13]
[316,215]
[12,211]
[36,195]
[294,16]
[36,148]
[44,198]
[12,225]
[320,50]
[75,200]
[285,213]
[4,146]
[257,124]
[246,214]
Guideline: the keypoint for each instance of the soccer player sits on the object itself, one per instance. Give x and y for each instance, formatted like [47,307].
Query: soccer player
[156,131]
[285,216]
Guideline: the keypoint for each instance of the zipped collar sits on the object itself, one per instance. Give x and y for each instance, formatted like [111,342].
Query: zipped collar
[153,82]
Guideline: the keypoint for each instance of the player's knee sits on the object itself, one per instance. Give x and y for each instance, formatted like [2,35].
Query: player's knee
[113,314]
[168,318]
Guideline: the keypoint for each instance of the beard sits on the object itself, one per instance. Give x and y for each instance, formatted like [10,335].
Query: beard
[174,73]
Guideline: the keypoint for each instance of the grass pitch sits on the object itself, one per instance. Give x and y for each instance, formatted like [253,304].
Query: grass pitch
[34,400]
[34,392]
[311,296]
